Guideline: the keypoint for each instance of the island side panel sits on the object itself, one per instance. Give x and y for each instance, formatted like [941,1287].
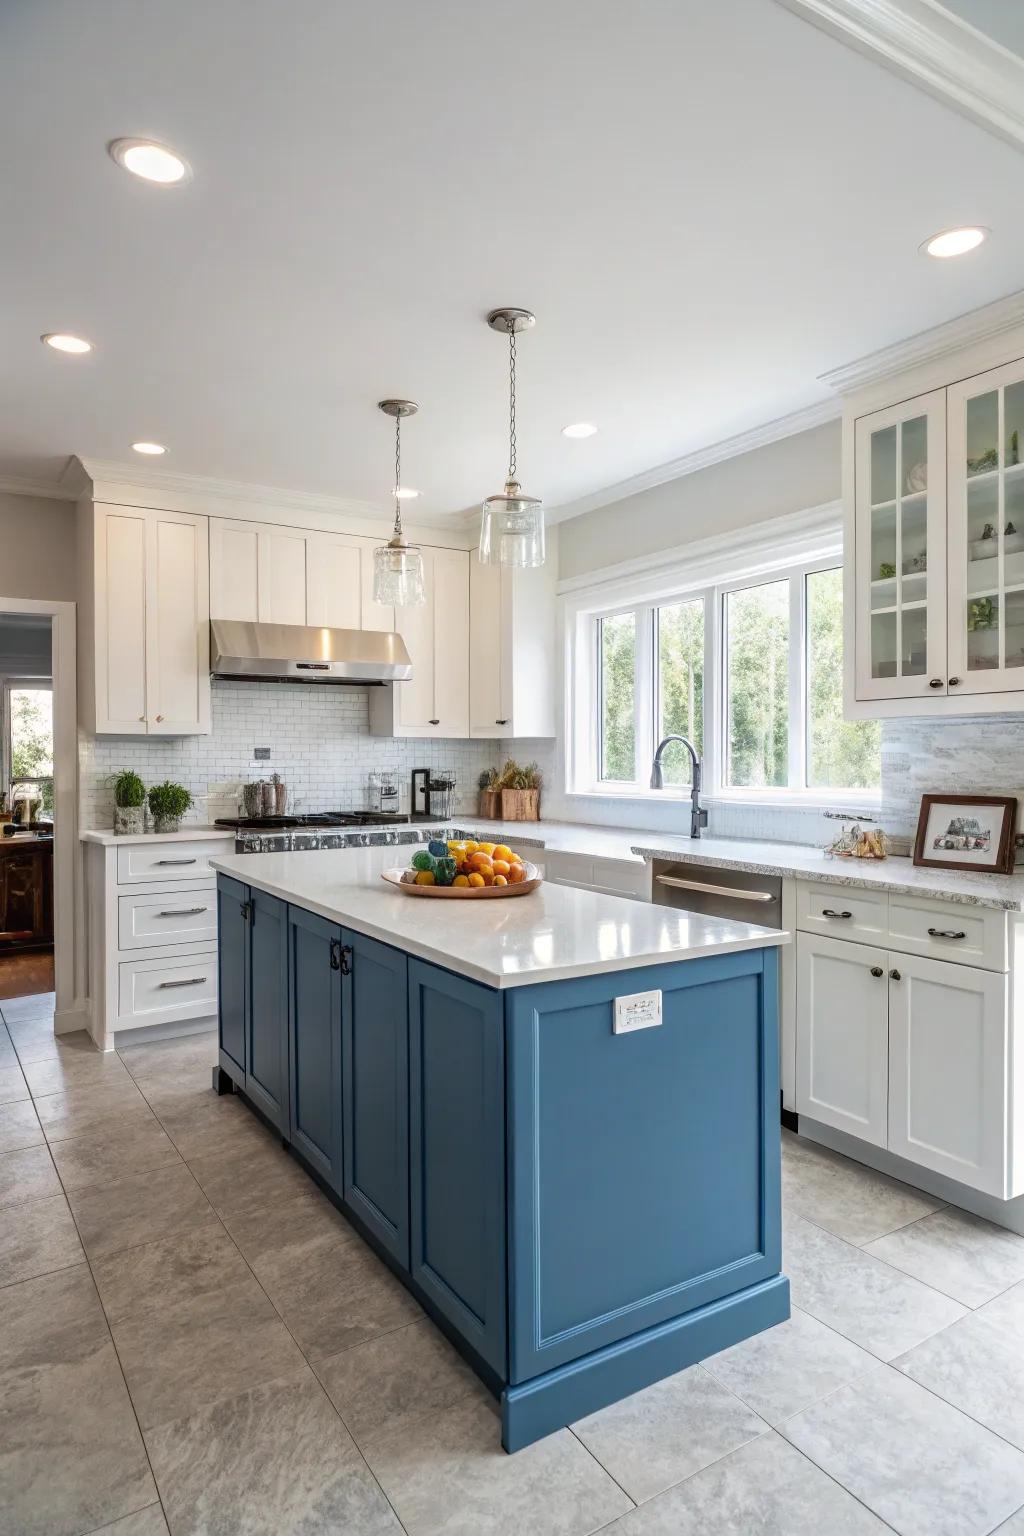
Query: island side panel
[644,1167]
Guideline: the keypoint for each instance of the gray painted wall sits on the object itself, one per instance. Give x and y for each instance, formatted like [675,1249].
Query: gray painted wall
[37,548]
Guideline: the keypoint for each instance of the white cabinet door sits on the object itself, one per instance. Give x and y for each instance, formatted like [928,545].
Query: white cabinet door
[900,555]
[282,576]
[234,570]
[489,708]
[451,642]
[334,591]
[986,533]
[948,1046]
[374,615]
[177,625]
[414,700]
[120,619]
[842,1035]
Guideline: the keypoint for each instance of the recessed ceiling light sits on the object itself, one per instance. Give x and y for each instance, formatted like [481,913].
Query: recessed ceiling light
[955,242]
[404,493]
[60,341]
[580,429]
[154,448]
[151,161]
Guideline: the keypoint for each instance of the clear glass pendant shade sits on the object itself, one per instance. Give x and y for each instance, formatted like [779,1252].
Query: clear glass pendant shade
[512,529]
[398,575]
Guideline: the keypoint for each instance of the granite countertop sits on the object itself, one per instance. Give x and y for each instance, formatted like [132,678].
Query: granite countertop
[548,935]
[188,834]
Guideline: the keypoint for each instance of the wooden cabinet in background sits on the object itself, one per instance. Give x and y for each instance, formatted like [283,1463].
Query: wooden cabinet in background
[26,895]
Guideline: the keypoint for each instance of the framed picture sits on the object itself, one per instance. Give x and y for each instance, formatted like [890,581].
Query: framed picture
[966,832]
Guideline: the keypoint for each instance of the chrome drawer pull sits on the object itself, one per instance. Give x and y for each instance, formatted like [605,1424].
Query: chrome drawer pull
[945,933]
[828,912]
[183,912]
[177,861]
[712,890]
[191,981]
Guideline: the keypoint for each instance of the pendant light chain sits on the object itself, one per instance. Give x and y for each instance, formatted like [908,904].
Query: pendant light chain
[398,477]
[511,400]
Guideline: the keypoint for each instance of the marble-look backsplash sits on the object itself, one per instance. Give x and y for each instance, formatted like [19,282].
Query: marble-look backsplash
[980,755]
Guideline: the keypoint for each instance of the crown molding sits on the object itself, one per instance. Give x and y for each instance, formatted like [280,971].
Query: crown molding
[172,483]
[49,490]
[978,325]
[935,50]
[701,458]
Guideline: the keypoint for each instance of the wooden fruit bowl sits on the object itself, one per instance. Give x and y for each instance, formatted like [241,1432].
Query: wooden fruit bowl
[466,892]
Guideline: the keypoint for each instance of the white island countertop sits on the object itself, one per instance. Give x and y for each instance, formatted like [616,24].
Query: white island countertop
[551,934]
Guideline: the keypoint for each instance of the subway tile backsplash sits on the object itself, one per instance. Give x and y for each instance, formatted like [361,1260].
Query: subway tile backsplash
[319,743]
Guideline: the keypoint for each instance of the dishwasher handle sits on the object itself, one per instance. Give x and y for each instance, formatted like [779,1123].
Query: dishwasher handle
[713,890]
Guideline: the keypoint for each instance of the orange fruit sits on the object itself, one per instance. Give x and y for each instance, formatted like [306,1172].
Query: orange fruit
[425,877]
[502,851]
[480,861]
[500,867]
[516,873]
[461,880]
[486,847]
[475,879]
[500,880]
[487,875]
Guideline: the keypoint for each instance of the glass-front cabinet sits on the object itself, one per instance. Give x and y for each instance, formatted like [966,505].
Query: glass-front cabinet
[900,499]
[986,533]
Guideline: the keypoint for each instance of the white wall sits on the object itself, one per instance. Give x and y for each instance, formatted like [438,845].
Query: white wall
[37,548]
[787,476]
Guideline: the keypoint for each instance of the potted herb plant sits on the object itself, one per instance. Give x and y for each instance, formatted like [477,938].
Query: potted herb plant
[129,804]
[520,792]
[490,794]
[168,803]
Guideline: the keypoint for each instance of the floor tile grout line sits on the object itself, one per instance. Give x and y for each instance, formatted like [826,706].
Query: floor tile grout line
[957,1409]
[634,1503]
[833,1479]
[905,1273]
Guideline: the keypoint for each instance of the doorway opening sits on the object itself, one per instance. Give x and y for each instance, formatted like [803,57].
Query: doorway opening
[26,806]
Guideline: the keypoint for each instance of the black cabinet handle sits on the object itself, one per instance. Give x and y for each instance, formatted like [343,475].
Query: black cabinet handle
[828,912]
[191,981]
[954,682]
[935,682]
[183,912]
[876,970]
[335,954]
[946,933]
[433,722]
[895,975]
[501,722]
[246,910]
[341,957]
[177,861]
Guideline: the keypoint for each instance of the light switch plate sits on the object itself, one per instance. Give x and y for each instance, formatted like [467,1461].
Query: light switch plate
[637,1010]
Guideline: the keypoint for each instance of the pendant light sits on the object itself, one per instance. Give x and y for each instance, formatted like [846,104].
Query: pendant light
[398,565]
[512,525]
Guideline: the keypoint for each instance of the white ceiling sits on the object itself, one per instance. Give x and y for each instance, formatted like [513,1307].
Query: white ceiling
[706,205]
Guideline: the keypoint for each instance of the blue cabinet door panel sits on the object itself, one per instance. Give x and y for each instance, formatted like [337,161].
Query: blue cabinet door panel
[375,1088]
[644,1166]
[232,969]
[314,1041]
[266,1057]
[457,1153]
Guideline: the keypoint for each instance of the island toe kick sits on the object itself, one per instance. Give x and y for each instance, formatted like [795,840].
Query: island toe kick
[578,1179]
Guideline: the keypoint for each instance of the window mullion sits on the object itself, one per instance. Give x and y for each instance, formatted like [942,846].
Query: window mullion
[644,707]
[797,682]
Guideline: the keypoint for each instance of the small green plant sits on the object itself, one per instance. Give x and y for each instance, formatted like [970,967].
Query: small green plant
[129,790]
[488,780]
[169,802]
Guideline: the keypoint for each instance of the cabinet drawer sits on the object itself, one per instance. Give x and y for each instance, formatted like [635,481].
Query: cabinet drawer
[188,916]
[151,862]
[154,991]
[948,931]
[842,911]
[620,877]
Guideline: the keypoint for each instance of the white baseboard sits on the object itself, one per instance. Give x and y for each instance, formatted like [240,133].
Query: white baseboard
[67,1020]
[177,1030]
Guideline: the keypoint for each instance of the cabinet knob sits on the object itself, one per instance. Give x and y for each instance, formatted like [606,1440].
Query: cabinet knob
[158,719]
[935,682]
[876,970]
[142,718]
[895,975]
[954,682]
[434,722]
[501,722]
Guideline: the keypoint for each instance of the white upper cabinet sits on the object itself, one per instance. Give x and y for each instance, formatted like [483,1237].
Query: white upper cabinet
[257,571]
[511,651]
[144,622]
[935,522]
[435,702]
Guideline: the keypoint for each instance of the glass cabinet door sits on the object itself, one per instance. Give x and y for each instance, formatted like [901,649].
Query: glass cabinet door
[986,532]
[900,476]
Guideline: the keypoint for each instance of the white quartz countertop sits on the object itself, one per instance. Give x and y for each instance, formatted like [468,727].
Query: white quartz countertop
[553,933]
[188,834]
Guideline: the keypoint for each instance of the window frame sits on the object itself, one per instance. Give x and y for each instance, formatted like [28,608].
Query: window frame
[583,688]
[15,685]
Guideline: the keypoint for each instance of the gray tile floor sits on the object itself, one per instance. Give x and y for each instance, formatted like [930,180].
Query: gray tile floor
[193,1340]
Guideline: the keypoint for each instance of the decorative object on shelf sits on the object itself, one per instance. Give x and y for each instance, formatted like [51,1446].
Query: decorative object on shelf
[398,565]
[856,842]
[129,804]
[520,791]
[167,804]
[982,613]
[490,794]
[512,524]
[917,478]
[983,462]
[886,569]
[966,832]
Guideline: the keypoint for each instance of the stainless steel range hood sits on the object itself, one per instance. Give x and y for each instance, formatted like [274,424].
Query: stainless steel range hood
[300,653]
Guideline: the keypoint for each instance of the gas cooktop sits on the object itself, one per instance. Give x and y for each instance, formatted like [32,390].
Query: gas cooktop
[314,819]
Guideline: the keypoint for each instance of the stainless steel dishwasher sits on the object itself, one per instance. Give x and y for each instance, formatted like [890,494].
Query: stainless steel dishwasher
[733,893]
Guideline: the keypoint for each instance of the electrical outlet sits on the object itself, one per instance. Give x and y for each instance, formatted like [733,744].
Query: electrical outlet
[261,754]
[637,1010]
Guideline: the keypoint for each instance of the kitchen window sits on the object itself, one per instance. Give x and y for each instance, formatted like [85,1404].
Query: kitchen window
[750,670]
[28,738]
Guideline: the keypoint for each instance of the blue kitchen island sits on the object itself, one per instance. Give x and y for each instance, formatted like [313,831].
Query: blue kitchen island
[556,1117]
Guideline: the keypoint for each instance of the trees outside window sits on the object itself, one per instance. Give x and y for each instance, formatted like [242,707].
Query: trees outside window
[30,738]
